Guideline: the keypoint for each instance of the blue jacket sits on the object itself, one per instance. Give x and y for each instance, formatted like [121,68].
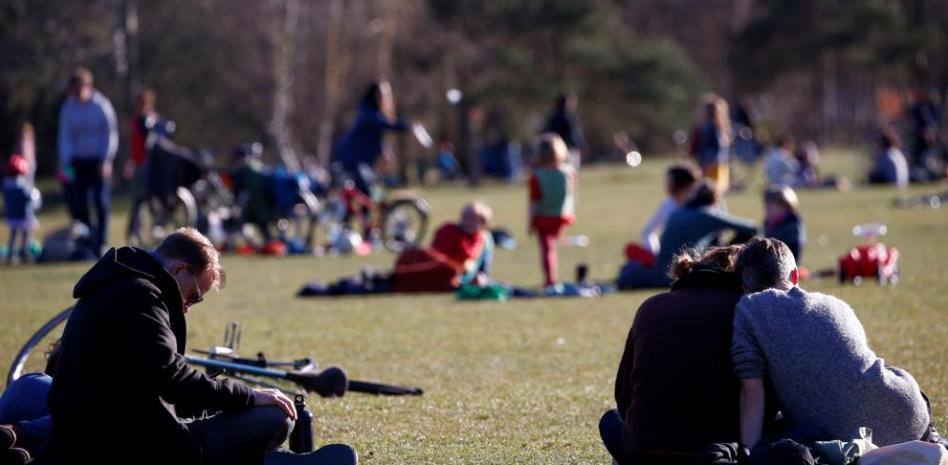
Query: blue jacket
[87,130]
[790,231]
[698,228]
[362,144]
[17,201]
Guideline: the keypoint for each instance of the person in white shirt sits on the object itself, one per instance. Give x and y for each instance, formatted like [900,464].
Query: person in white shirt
[781,167]
[680,180]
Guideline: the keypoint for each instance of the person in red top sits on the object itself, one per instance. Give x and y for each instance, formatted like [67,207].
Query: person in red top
[141,121]
[460,253]
[552,190]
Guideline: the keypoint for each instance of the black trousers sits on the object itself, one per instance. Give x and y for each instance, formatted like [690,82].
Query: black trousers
[90,185]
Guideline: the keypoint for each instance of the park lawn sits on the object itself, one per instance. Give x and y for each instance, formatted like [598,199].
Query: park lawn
[522,381]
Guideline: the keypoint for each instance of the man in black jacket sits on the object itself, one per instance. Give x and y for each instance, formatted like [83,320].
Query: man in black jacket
[123,379]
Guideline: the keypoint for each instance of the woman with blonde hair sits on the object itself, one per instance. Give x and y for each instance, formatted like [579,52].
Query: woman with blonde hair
[711,142]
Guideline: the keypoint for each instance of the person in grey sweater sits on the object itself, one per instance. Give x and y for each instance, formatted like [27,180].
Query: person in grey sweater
[812,352]
[88,139]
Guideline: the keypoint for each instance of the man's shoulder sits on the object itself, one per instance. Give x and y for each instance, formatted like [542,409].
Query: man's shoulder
[131,290]
[796,297]
[756,302]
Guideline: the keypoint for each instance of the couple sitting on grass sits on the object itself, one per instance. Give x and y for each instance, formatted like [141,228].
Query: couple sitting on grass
[734,341]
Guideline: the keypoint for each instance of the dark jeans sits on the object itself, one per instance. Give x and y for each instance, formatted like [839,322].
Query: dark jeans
[610,430]
[89,182]
[634,275]
[240,437]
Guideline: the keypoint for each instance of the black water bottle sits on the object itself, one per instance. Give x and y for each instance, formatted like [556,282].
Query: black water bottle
[301,440]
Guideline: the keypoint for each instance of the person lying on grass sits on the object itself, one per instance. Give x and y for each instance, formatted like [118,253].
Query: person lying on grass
[675,389]
[122,387]
[812,351]
[465,251]
[460,253]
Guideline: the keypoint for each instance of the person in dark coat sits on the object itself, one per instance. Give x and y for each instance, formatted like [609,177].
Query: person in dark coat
[123,387]
[360,148]
[675,387]
[564,123]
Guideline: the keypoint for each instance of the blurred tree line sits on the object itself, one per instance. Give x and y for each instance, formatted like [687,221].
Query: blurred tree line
[290,72]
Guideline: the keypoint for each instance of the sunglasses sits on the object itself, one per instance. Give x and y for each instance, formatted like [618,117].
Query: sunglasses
[198,296]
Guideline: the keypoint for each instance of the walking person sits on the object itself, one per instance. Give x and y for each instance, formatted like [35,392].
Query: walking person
[711,142]
[88,140]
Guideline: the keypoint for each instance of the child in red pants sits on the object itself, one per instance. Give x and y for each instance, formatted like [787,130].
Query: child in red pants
[552,198]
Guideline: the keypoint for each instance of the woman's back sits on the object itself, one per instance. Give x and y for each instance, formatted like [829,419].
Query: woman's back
[675,385]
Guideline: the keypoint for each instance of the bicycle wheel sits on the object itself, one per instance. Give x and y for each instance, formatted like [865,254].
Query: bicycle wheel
[404,224]
[41,341]
[150,221]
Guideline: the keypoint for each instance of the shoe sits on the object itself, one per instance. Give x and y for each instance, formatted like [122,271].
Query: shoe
[7,437]
[15,456]
[332,454]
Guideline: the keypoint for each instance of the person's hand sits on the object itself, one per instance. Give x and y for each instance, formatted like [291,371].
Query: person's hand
[65,175]
[107,170]
[481,280]
[276,398]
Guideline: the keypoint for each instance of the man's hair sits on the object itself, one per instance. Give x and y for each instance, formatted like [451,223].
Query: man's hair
[80,75]
[764,263]
[683,177]
[190,247]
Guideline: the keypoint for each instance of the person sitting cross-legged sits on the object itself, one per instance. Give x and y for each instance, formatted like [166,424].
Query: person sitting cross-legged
[122,385]
[675,390]
[811,349]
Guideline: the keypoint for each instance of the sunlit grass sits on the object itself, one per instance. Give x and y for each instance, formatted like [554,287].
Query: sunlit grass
[523,381]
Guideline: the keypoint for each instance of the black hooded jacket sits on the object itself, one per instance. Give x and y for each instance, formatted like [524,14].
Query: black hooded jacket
[122,369]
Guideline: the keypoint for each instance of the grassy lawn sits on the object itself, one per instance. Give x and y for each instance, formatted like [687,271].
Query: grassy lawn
[521,381]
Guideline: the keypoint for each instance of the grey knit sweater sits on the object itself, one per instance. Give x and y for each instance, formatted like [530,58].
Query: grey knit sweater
[812,350]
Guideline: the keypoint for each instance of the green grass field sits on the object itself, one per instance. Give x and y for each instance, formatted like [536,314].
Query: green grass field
[521,381]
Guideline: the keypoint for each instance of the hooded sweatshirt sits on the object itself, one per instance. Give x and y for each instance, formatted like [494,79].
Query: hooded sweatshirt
[123,376]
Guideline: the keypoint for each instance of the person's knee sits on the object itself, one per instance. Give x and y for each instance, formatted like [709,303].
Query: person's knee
[274,423]
[608,421]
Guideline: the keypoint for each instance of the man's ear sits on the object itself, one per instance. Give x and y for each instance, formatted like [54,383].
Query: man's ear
[795,276]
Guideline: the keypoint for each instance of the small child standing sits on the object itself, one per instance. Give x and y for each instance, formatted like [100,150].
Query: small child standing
[782,221]
[18,203]
[552,197]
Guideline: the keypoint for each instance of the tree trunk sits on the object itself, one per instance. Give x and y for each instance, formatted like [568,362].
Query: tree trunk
[284,38]
[334,69]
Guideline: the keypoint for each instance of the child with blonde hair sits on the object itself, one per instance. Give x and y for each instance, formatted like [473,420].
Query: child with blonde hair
[552,188]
